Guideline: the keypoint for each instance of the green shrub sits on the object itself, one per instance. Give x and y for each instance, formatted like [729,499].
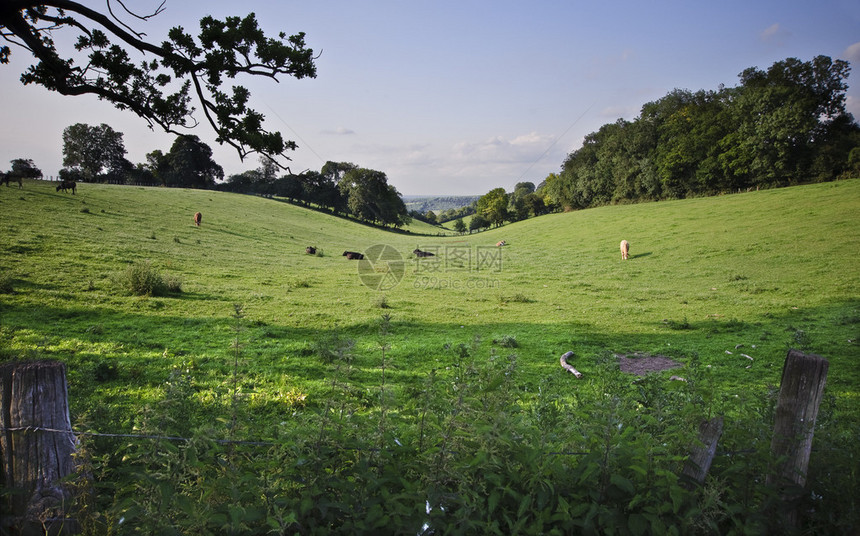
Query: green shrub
[7,284]
[141,279]
[507,341]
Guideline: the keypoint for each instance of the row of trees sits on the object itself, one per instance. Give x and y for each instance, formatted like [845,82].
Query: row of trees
[97,154]
[23,168]
[340,187]
[786,125]
[497,206]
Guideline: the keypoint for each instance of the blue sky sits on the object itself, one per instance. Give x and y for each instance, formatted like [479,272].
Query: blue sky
[459,97]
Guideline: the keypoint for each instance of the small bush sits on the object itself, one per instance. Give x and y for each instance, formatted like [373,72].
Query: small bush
[800,340]
[678,326]
[507,341]
[172,284]
[382,302]
[7,284]
[141,279]
[333,348]
[516,298]
[105,372]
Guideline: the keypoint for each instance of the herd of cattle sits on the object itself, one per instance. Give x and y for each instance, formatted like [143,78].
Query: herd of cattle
[310,250]
[354,255]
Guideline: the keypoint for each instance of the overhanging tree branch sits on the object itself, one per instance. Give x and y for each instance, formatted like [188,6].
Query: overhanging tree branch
[228,48]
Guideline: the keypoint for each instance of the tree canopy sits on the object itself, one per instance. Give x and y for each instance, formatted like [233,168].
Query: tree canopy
[91,150]
[784,125]
[175,75]
[493,206]
[24,168]
[191,165]
[371,198]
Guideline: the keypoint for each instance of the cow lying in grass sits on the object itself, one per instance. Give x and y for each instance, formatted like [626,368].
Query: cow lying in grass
[419,253]
[352,255]
[625,249]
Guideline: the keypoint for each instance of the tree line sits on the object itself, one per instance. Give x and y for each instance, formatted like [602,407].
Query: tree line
[783,126]
[339,187]
[97,154]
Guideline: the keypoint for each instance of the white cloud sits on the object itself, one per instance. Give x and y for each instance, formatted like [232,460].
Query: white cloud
[339,131]
[498,149]
[852,53]
[769,32]
[852,105]
[774,34]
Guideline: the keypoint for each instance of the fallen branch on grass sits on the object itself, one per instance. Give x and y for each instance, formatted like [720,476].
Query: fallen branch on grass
[569,368]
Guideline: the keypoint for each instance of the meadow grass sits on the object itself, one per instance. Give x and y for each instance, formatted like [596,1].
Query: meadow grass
[729,283]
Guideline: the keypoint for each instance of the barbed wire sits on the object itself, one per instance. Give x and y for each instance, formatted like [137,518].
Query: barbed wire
[260,443]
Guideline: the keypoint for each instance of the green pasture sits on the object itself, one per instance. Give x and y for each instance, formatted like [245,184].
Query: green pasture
[729,283]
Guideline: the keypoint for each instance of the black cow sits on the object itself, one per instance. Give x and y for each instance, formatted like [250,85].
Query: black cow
[6,177]
[419,253]
[352,255]
[310,250]
[67,185]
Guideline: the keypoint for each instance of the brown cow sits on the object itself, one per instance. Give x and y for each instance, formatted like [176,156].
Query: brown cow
[198,218]
[625,249]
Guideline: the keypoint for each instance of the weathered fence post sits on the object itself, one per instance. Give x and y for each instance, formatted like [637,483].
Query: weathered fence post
[36,446]
[699,462]
[800,392]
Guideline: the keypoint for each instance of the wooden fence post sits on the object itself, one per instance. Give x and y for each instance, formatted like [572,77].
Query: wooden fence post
[36,446]
[699,462]
[800,392]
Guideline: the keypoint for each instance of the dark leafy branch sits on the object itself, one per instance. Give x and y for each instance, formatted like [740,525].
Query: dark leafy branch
[183,71]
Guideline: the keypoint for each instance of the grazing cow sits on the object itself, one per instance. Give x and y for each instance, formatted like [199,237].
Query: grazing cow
[198,218]
[501,243]
[625,249]
[419,253]
[310,250]
[352,255]
[6,177]
[67,185]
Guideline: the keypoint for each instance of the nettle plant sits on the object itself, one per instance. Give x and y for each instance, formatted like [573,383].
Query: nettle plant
[469,450]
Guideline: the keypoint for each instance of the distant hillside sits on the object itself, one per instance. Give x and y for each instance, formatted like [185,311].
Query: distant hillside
[438,204]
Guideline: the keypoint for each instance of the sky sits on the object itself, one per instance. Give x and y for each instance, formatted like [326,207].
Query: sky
[456,97]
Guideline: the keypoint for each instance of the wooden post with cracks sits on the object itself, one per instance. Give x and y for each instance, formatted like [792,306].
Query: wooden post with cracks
[699,462]
[800,393]
[36,448]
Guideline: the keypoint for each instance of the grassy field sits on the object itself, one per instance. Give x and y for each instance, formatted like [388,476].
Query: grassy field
[708,280]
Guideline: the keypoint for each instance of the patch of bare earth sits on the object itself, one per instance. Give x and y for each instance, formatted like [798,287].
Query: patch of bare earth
[641,364]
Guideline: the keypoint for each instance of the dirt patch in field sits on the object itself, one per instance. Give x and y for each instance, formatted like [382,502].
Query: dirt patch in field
[642,364]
